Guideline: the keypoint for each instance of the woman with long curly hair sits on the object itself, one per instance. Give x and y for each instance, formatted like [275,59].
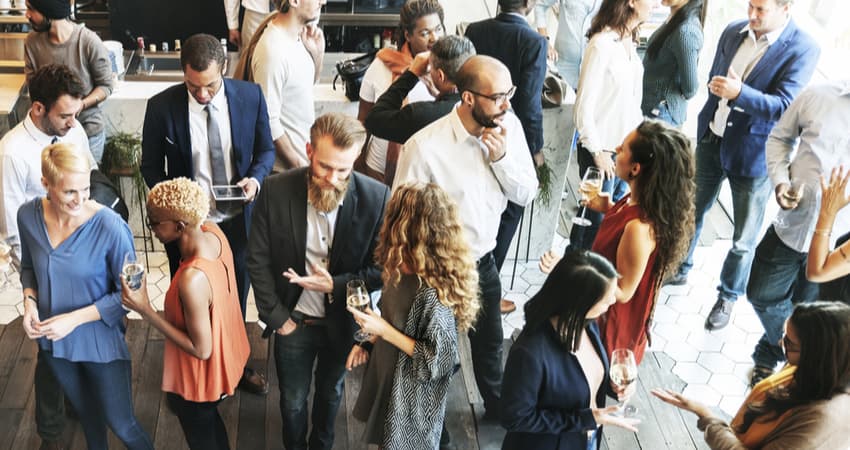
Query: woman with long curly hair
[648,231]
[804,405]
[430,293]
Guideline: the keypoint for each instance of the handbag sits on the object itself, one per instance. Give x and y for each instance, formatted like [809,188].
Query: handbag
[556,91]
[351,72]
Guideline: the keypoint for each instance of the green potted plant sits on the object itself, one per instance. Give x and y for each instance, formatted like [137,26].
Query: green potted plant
[122,155]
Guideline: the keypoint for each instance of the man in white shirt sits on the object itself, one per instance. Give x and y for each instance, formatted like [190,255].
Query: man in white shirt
[255,12]
[286,63]
[819,119]
[478,155]
[56,97]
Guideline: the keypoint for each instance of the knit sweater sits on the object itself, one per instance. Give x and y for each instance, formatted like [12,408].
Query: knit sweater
[671,77]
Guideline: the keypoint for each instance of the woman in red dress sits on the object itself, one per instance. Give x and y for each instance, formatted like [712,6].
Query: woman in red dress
[647,232]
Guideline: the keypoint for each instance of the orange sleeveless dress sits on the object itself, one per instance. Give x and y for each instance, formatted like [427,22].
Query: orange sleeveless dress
[187,376]
[625,325]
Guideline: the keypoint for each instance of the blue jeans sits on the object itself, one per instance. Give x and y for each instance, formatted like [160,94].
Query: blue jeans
[749,198]
[777,282]
[101,396]
[485,340]
[581,238]
[96,143]
[295,354]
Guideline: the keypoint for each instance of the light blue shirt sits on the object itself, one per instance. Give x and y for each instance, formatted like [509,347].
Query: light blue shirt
[809,140]
[85,269]
[574,17]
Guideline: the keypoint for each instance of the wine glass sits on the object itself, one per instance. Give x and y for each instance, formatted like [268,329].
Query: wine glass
[133,270]
[357,297]
[591,184]
[623,372]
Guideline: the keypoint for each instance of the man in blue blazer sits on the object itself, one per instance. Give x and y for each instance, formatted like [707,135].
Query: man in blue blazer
[509,38]
[217,135]
[760,66]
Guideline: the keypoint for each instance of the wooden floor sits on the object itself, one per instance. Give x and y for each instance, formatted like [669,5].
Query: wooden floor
[253,422]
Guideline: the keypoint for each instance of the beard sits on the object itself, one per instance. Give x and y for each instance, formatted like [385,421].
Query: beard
[40,27]
[486,121]
[325,198]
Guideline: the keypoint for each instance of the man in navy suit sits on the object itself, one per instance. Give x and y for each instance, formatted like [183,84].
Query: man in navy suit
[218,135]
[760,66]
[509,38]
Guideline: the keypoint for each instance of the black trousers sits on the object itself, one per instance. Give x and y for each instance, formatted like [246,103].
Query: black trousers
[507,229]
[49,402]
[201,423]
[486,339]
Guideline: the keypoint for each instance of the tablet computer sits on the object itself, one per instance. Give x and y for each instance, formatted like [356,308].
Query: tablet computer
[226,193]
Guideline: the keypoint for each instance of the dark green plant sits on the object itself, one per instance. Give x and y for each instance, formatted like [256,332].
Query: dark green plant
[544,180]
[122,155]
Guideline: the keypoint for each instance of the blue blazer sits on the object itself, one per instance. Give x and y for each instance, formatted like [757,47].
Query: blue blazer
[510,39]
[782,72]
[165,136]
[545,396]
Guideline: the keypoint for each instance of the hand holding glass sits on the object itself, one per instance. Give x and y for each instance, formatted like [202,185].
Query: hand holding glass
[591,184]
[358,298]
[133,271]
[623,373]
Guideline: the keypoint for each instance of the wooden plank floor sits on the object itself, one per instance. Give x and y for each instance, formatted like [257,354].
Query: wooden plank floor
[253,422]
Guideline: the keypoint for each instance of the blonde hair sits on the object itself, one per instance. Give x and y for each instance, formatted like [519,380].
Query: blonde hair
[345,131]
[179,199]
[58,159]
[423,234]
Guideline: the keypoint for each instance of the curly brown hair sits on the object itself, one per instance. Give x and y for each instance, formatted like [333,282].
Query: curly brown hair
[665,190]
[422,234]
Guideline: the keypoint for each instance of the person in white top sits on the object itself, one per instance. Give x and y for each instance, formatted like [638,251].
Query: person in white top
[478,155]
[286,63]
[608,100]
[255,12]
[57,95]
[574,17]
[421,24]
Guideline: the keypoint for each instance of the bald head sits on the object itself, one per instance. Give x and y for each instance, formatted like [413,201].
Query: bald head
[482,73]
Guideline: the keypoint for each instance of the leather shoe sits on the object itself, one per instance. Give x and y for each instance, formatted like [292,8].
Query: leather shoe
[507,306]
[253,382]
[719,316]
[678,279]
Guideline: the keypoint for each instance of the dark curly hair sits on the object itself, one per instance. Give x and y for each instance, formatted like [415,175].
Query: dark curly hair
[52,81]
[665,190]
[414,10]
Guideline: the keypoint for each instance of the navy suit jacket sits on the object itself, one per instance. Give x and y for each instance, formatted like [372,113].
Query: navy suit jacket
[783,71]
[165,136]
[278,241]
[510,39]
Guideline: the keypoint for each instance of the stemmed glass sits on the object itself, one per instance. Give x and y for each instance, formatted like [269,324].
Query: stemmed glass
[623,373]
[358,298]
[591,184]
[133,270]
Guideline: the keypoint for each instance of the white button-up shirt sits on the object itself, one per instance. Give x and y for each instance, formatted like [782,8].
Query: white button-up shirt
[21,150]
[446,154]
[746,58]
[820,118]
[320,238]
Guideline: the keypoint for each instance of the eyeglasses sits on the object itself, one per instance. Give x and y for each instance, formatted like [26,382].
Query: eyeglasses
[437,31]
[498,97]
[789,345]
[151,224]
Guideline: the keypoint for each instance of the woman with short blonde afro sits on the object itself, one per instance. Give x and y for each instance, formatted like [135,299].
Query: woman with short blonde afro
[206,345]
[430,292]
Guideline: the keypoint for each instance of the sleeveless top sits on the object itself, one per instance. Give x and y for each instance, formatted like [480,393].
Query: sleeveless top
[194,379]
[625,325]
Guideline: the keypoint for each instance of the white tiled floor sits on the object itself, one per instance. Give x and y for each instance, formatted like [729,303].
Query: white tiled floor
[715,365]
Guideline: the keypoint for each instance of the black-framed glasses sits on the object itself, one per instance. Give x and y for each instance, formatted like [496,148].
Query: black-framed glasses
[151,224]
[497,97]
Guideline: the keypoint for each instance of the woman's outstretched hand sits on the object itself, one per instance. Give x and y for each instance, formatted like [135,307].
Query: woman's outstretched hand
[605,416]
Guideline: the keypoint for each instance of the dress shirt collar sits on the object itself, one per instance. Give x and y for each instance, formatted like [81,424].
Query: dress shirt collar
[36,134]
[771,37]
[458,129]
[218,101]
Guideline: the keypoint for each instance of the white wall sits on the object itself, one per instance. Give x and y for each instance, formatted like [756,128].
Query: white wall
[467,11]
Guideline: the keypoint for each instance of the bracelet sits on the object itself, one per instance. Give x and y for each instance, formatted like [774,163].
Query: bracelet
[843,255]
[366,345]
[824,231]
[29,296]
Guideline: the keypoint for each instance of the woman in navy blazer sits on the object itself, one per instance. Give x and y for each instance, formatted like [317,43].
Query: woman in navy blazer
[557,364]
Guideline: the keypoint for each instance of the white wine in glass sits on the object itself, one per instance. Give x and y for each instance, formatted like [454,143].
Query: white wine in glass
[358,298]
[133,270]
[591,184]
[623,373]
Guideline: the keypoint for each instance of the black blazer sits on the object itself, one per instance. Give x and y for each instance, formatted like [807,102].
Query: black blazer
[165,136]
[510,39]
[278,241]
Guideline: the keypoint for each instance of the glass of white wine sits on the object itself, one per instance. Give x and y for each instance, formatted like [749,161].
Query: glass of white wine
[591,184]
[358,298]
[623,373]
[133,270]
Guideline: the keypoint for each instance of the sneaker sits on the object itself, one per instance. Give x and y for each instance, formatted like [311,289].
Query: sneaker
[679,279]
[759,373]
[719,316]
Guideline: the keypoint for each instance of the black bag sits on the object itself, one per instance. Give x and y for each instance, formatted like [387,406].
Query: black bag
[105,193]
[351,71]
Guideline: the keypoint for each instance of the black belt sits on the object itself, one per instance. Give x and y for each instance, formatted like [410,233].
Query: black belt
[711,138]
[303,319]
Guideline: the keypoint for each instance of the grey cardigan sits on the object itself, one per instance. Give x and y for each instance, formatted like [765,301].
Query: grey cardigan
[670,79]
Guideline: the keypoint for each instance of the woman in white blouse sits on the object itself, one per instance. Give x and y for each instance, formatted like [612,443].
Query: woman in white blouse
[609,95]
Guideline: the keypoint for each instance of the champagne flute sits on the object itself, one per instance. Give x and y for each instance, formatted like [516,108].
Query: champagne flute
[358,298]
[133,270]
[623,372]
[591,184]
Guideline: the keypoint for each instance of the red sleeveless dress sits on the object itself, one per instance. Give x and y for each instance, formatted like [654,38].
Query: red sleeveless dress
[187,376]
[625,325]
